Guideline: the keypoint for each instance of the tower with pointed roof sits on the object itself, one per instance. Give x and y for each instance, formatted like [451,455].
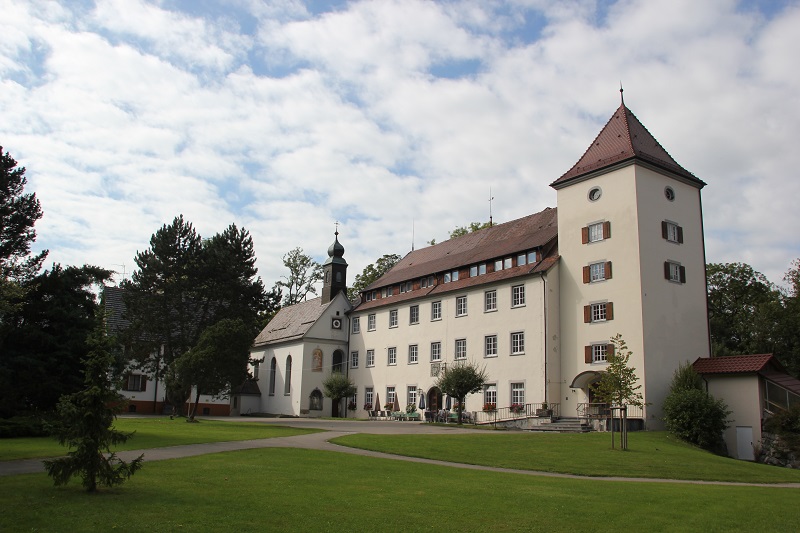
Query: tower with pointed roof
[334,271]
[630,235]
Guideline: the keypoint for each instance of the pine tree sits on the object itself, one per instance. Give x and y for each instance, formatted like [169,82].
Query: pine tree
[85,424]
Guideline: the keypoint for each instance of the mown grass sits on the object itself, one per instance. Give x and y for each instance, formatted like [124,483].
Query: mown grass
[307,490]
[154,433]
[651,454]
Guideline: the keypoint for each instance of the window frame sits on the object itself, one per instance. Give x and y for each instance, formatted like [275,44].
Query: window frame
[413,354]
[517,390]
[391,356]
[671,232]
[461,306]
[393,318]
[413,314]
[370,361]
[518,343]
[460,351]
[356,325]
[354,359]
[674,272]
[518,296]
[437,351]
[436,310]
[490,346]
[371,322]
[490,301]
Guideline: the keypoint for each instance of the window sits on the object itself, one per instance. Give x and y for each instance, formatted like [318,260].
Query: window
[256,366]
[369,396]
[436,351]
[392,353]
[353,359]
[451,276]
[518,393]
[413,354]
[490,301]
[461,305]
[672,232]
[287,385]
[517,295]
[354,400]
[531,257]
[597,272]
[436,310]
[390,393]
[371,322]
[461,348]
[426,282]
[273,369]
[598,312]
[413,314]
[370,357]
[598,352]
[490,394]
[517,343]
[595,193]
[138,382]
[369,296]
[446,277]
[507,262]
[669,193]
[338,363]
[385,293]
[393,318]
[498,265]
[595,232]
[356,324]
[473,271]
[674,272]
[521,259]
[482,269]
[411,395]
[490,346]
[405,287]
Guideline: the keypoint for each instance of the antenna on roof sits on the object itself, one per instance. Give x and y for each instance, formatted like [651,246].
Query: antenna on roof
[337,228]
[490,206]
[621,96]
[412,234]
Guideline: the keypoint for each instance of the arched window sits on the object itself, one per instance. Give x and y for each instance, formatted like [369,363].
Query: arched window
[316,400]
[338,361]
[273,368]
[287,386]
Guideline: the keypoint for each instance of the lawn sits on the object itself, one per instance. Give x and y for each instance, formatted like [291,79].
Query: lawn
[651,454]
[308,490]
[154,433]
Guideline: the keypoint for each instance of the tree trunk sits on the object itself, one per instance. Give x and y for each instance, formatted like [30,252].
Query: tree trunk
[194,406]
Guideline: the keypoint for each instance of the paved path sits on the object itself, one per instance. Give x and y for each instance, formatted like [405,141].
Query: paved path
[338,428]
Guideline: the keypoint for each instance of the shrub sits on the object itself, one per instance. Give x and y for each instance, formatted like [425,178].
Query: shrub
[786,424]
[697,417]
[23,426]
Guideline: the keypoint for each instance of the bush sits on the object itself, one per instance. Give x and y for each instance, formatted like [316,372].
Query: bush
[697,417]
[23,426]
[786,424]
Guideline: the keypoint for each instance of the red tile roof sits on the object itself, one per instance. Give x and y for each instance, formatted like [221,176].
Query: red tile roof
[734,364]
[624,138]
[527,233]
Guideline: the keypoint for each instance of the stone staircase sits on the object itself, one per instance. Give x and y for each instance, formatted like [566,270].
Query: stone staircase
[563,425]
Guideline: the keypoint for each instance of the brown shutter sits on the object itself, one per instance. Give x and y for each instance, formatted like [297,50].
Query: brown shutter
[666,269]
[587,354]
[606,230]
[663,229]
[587,314]
[143,381]
[586,274]
[683,274]
[608,270]
[609,311]
[609,350]
[584,234]
[680,235]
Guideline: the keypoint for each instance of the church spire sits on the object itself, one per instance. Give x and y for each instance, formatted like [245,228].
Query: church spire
[334,270]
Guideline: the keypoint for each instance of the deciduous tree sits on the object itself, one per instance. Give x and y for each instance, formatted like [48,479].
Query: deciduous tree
[371,274]
[337,386]
[304,273]
[460,380]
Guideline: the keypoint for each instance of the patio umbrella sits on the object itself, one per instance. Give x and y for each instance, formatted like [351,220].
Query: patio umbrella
[396,405]
[377,405]
[422,402]
[448,403]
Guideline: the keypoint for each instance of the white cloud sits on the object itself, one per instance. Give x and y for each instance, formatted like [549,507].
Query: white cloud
[131,112]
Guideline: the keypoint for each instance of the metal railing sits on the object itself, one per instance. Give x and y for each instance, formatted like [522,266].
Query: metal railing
[528,410]
[603,410]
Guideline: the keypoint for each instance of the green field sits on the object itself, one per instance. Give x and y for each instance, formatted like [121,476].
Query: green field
[282,489]
[154,433]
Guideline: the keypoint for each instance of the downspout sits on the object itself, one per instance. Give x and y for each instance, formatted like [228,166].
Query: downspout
[705,271]
[544,333]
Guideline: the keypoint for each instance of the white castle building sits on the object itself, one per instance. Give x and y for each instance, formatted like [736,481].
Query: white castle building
[536,300]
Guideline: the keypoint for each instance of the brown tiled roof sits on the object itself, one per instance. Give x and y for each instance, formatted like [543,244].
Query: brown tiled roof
[291,322]
[734,364]
[518,235]
[542,266]
[624,138]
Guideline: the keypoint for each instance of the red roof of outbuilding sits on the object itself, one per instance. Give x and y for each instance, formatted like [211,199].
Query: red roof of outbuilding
[624,138]
[735,364]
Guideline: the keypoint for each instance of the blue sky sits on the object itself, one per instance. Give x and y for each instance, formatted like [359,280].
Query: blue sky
[392,117]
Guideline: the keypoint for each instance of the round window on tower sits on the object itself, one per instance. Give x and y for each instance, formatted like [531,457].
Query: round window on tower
[669,193]
[595,193]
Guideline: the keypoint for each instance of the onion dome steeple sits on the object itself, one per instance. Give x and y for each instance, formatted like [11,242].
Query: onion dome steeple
[334,270]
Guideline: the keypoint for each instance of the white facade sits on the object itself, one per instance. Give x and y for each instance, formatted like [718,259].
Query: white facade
[624,253]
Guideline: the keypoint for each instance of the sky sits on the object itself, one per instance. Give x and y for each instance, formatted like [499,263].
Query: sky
[393,118]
